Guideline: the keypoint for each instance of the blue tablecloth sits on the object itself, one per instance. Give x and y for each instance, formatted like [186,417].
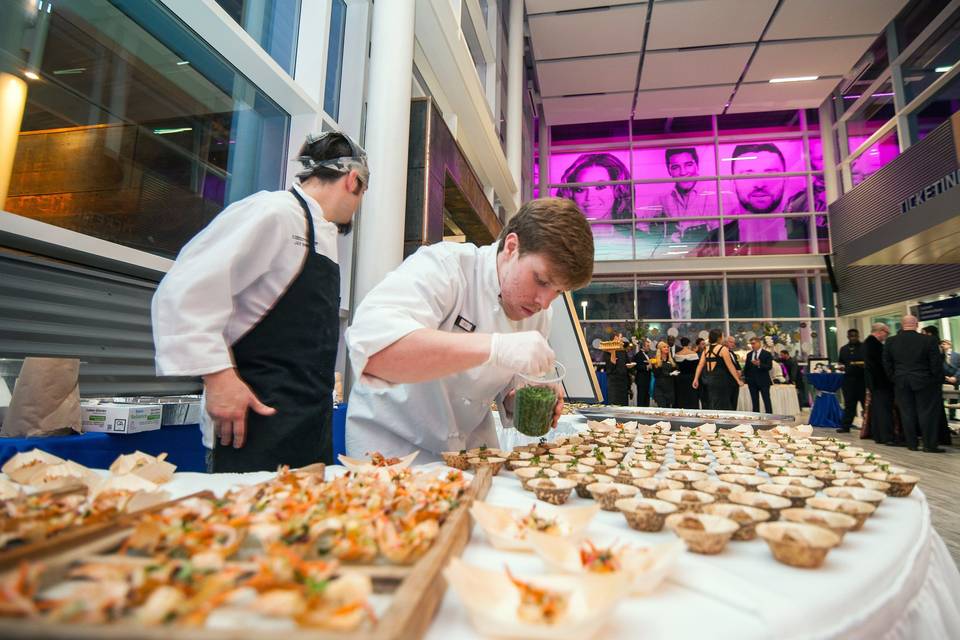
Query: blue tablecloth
[826,410]
[602,381]
[98,450]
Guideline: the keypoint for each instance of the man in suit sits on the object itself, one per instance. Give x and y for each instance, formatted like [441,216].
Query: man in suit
[756,371]
[642,373]
[734,389]
[914,362]
[951,370]
[880,386]
[854,384]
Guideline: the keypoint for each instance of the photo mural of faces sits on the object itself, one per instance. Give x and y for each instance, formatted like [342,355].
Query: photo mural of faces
[681,211]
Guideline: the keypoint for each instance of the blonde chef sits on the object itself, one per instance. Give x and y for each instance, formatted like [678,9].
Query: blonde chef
[444,334]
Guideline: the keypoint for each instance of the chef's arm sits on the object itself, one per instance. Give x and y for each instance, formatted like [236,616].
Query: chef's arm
[428,354]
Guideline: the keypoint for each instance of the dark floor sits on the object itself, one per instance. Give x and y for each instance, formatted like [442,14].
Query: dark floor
[939,475]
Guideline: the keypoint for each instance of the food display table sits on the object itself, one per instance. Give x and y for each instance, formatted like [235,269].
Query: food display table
[826,410]
[783,397]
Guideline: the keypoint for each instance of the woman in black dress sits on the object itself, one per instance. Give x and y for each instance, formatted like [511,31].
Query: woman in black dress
[716,370]
[664,385]
[618,376]
[687,360]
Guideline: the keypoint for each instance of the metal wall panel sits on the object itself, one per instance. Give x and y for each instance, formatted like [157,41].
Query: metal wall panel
[58,310]
[875,203]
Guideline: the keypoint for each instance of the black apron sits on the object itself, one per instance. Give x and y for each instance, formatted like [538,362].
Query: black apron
[287,360]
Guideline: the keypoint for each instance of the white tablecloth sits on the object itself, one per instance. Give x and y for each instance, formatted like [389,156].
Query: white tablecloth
[894,579]
[783,397]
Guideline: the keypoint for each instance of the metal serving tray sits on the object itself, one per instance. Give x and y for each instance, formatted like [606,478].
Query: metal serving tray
[685,417]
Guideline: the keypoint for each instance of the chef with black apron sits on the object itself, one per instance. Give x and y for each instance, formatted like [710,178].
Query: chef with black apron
[252,305]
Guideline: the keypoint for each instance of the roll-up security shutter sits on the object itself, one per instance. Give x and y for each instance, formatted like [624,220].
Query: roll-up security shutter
[59,310]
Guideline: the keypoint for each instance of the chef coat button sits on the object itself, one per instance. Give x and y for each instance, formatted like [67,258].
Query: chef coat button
[466,401]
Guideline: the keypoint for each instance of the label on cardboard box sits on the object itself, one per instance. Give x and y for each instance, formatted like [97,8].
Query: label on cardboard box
[113,417]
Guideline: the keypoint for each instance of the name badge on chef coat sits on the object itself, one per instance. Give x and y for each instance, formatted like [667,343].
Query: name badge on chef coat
[465,324]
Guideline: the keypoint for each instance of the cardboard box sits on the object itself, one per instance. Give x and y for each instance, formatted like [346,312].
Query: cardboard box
[116,417]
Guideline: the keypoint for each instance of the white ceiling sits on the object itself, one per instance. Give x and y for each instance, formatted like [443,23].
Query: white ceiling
[696,53]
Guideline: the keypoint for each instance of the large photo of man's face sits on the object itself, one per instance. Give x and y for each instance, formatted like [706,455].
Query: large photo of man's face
[758,193]
[683,163]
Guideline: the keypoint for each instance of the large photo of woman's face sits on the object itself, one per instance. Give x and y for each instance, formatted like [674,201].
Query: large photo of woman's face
[597,201]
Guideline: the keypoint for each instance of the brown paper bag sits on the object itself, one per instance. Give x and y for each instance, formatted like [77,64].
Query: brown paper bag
[46,399]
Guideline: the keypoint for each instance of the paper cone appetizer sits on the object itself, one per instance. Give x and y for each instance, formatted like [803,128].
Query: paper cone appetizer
[495,463]
[703,533]
[156,469]
[126,494]
[859,510]
[458,459]
[797,544]
[645,514]
[526,474]
[507,528]
[809,483]
[901,484]
[686,477]
[558,607]
[646,567]
[747,480]
[9,490]
[856,493]
[837,522]
[21,467]
[584,480]
[61,475]
[376,463]
[863,483]
[746,517]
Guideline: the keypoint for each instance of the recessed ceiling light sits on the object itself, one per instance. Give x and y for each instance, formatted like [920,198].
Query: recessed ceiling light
[69,72]
[738,158]
[163,132]
[31,75]
[795,79]
[943,69]
[182,62]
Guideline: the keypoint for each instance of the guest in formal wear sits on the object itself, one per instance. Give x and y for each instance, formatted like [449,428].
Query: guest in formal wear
[879,385]
[664,382]
[951,369]
[756,371]
[618,375]
[642,372]
[854,384]
[943,430]
[912,361]
[731,343]
[687,361]
[717,373]
[672,344]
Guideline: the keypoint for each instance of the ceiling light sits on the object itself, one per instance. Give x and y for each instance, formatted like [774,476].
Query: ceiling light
[69,72]
[943,69]
[32,75]
[795,79]
[163,132]
[182,62]
[738,158]
[676,253]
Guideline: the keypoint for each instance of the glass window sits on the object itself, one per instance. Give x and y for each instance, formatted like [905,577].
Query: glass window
[680,299]
[678,127]
[692,198]
[594,332]
[332,81]
[612,241]
[797,337]
[598,201]
[660,331]
[765,121]
[932,59]
[673,238]
[876,156]
[870,67]
[137,132]
[770,156]
[831,339]
[765,297]
[605,301]
[754,235]
[272,23]
[754,193]
[937,109]
[678,161]
[827,292]
[872,114]
[915,19]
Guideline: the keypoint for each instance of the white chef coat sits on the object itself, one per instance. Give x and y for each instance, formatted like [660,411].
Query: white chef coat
[228,277]
[432,289]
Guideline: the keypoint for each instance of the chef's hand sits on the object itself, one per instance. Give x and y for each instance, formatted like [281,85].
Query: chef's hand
[524,352]
[228,399]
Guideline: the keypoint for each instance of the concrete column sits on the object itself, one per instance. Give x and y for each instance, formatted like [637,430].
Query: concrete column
[380,224]
[515,93]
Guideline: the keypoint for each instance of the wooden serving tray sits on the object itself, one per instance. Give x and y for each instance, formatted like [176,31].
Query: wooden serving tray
[416,590]
[70,537]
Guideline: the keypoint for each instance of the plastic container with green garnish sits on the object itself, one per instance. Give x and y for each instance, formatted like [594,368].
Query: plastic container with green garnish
[535,401]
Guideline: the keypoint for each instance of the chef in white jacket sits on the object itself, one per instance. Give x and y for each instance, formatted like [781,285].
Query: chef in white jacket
[445,333]
[252,305]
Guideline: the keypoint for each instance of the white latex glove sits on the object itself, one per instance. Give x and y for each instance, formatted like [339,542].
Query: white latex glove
[524,352]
